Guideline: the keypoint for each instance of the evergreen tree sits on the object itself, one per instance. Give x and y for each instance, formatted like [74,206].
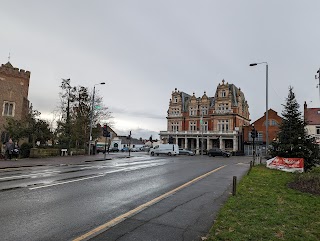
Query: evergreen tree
[292,139]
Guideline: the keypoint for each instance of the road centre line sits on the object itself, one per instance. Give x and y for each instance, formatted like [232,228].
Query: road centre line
[94,232]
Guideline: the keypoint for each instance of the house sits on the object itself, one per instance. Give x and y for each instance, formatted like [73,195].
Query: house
[14,86]
[102,141]
[125,141]
[312,119]
[259,125]
[207,121]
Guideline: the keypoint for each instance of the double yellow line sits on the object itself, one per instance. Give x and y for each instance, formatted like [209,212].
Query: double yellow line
[138,209]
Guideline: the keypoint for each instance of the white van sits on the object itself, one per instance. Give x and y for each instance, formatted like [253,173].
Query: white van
[169,149]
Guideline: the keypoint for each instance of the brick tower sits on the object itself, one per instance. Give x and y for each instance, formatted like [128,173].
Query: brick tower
[14,88]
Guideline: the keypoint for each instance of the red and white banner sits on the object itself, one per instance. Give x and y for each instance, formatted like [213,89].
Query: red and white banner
[287,164]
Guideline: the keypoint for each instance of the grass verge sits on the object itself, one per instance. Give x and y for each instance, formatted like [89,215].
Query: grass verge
[265,208]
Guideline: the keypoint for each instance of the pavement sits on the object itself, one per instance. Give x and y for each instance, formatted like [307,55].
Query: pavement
[57,160]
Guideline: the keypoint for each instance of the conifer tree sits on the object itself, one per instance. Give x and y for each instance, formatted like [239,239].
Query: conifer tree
[292,139]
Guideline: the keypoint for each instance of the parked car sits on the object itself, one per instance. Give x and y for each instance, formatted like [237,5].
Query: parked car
[114,149]
[145,148]
[125,149]
[185,152]
[218,152]
[100,148]
[133,149]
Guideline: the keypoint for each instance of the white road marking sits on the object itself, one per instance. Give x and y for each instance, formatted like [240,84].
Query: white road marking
[30,175]
[100,175]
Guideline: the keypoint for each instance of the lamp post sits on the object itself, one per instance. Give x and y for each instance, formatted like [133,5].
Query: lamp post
[267,119]
[201,125]
[91,115]
[318,77]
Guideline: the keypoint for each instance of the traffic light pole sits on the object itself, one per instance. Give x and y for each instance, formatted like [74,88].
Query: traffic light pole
[254,134]
[129,142]
[254,152]
[105,148]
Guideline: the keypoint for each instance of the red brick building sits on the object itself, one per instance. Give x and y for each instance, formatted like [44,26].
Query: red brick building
[260,125]
[215,121]
[312,119]
[14,86]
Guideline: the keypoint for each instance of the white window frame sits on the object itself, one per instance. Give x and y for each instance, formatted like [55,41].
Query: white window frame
[192,126]
[223,126]
[204,110]
[192,111]
[175,126]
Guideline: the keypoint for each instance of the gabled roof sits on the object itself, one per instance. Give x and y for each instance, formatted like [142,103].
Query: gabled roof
[133,141]
[312,116]
[264,116]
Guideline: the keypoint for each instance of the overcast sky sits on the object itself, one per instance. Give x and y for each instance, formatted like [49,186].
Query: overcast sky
[145,49]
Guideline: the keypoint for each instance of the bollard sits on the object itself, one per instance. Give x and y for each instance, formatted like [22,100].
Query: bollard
[234,186]
[251,164]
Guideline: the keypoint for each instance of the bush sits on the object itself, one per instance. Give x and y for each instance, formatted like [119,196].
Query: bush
[307,182]
[25,150]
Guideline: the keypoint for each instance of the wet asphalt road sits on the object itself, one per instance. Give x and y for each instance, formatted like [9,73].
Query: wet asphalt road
[65,202]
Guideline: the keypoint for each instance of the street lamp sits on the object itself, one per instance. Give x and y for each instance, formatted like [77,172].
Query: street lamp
[91,115]
[267,119]
[318,77]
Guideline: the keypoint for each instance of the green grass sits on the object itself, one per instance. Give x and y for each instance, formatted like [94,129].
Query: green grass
[265,208]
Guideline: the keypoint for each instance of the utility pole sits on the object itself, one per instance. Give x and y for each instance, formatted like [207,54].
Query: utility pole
[91,117]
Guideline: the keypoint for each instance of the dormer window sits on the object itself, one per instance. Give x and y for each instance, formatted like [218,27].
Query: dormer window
[175,99]
[223,93]
[204,110]
[192,111]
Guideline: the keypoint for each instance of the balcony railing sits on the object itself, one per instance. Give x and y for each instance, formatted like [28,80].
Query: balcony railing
[196,132]
[222,111]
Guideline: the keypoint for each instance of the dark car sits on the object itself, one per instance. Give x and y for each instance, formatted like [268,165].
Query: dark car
[114,149]
[218,152]
[186,152]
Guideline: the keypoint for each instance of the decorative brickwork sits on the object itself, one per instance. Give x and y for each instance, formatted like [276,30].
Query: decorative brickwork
[214,121]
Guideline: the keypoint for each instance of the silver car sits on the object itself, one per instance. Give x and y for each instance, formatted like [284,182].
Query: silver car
[185,152]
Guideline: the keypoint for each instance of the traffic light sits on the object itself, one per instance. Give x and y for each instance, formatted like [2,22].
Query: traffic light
[254,133]
[106,133]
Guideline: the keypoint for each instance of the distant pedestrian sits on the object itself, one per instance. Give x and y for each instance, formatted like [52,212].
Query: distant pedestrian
[9,149]
[16,150]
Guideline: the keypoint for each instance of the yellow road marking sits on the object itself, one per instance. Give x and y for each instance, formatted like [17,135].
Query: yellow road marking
[138,209]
